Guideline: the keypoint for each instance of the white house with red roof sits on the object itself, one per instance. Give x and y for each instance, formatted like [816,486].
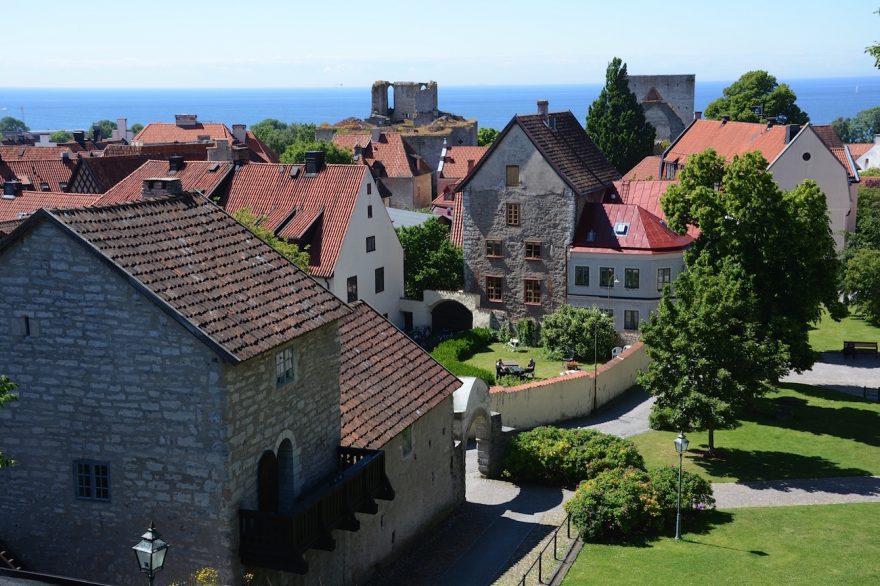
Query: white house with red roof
[337,212]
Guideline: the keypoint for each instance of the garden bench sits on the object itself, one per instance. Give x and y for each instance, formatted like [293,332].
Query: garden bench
[852,348]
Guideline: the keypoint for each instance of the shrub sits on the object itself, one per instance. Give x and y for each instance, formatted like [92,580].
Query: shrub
[505,332]
[569,330]
[661,418]
[564,457]
[696,492]
[527,332]
[453,352]
[615,506]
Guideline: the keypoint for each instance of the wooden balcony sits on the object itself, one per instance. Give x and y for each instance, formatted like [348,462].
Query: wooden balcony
[278,541]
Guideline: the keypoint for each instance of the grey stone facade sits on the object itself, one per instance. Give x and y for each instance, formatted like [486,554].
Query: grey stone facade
[416,101]
[668,101]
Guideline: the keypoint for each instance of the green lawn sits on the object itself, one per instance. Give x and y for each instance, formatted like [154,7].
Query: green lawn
[830,434]
[543,368]
[825,544]
[828,336]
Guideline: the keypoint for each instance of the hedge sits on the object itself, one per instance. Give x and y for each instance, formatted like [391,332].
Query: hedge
[453,352]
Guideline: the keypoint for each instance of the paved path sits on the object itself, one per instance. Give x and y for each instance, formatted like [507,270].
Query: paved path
[625,417]
[849,375]
[781,493]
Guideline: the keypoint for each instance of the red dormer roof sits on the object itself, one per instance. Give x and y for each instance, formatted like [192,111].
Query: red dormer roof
[460,160]
[27,202]
[202,176]
[627,229]
[293,203]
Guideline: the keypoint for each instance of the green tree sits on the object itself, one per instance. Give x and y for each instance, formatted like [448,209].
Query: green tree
[863,282]
[874,50]
[296,152]
[757,88]
[710,354]
[579,332]
[298,256]
[107,127]
[782,240]
[616,121]
[61,136]
[860,128]
[486,136]
[867,234]
[430,260]
[6,396]
[136,127]
[278,136]
[10,124]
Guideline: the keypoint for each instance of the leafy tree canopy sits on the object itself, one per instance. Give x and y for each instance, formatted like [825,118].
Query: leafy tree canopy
[299,257]
[874,50]
[61,136]
[10,124]
[616,121]
[6,396]
[757,88]
[107,127]
[863,282]
[781,239]
[278,136]
[486,136]
[136,127]
[860,128]
[296,152]
[430,260]
[572,331]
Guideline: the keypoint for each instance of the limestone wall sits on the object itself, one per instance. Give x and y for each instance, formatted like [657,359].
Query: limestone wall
[677,91]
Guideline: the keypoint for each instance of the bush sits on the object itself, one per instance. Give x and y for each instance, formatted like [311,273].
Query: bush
[564,457]
[615,506]
[527,332]
[504,333]
[661,418]
[453,352]
[696,492]
[569,331]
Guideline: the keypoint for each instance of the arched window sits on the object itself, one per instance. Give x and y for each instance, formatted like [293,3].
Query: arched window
[286,487]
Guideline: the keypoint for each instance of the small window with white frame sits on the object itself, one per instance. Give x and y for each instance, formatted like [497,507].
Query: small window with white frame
[285,367]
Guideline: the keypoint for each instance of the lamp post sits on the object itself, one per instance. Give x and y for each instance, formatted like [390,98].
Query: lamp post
[150,553]
[681,446]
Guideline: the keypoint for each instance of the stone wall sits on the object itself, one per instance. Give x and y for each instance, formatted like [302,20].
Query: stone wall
[568,396]
[105,375]
[415,101]
[676,91]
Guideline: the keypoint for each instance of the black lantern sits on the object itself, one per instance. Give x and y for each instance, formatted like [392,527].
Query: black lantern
[150,552]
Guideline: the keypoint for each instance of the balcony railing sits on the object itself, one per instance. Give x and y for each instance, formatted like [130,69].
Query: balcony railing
[278,541]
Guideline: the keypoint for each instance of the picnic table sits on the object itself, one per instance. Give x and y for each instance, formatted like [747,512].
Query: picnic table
[503,367]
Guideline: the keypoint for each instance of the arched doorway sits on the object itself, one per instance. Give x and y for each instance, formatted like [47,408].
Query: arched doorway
[478,434]
[451,316]
[267,482]
[286,487]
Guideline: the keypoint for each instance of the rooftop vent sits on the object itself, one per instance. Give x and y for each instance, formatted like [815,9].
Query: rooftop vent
[175,163]
[725,119]
[621,228]
[11,188]
[294,171]
[44,186]
[213,168]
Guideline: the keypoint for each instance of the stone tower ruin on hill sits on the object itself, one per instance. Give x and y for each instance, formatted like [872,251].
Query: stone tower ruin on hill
[404,100]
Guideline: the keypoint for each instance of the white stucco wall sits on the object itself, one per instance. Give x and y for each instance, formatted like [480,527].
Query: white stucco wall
[354,260]
[871,158]
[644,299]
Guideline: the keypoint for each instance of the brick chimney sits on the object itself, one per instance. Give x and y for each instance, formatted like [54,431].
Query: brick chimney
[186,120]
[543,108]
[375,134]
[220,151]
[79,136]
[698,115]
[155,187]
[470,165]
[239,131]
[176,163]
[314,162]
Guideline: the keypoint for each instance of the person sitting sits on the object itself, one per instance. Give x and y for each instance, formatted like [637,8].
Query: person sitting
[530,368]
[499,368]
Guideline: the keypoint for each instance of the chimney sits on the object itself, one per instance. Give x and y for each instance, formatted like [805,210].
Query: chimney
[155,187]
[185,120]
[470,165]
[791,131]
[65,155]
[220,151]
[877,139]
[770,123]
[543,108]
[175,163]
[79,136]
[121,132]
[375,134]
[725,119]
[314,162]
[698,115]
[239,131]
[11,188]
[358,151]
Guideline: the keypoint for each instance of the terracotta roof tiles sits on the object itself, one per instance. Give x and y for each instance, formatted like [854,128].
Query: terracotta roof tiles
[645,170]
[31,153]
[641,231]
[27,202]
[165,132]
[457,230]
[461,159]
[202,176]
[56,173]
[857,149]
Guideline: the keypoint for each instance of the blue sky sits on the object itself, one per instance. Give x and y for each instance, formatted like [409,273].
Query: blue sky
[253,43]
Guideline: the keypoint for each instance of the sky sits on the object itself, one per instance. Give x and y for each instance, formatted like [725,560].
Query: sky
[276,43]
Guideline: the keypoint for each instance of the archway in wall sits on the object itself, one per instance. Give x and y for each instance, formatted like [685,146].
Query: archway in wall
[478,445]
[286,487]
[267,482]
[451,316]
[390,98]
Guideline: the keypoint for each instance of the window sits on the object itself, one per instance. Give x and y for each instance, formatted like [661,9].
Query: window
[582,276]
[407,321]
[533,250]
[493,288]
[664,277]
[371,243]
[493,248]
[512,179]
[631,278]
[369,209]
[352,288]
[630,319]
[532,291]
[369,190]
[606,277]
[406,443]
[92,480]
[621,229]
[380,279]
[285,371]
[513,214]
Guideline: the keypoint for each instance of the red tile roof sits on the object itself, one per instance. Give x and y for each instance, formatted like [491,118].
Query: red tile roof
[457,230]
[390,152]
[194,176]
[349,141]
[7,226]
[645,170]
[97,175]
[857,149]
[27,202]
[645,233]
[325,200]
[55,172]
[388,381]
[165,132]
[30,153]
[190,152]
[461,159]
[260,153]
[214,276]
[728,139]
[648,196]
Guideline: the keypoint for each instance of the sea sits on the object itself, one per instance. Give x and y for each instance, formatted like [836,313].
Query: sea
[492,106]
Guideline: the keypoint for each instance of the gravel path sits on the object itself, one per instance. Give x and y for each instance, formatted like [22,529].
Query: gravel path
[781,493]
[850,375]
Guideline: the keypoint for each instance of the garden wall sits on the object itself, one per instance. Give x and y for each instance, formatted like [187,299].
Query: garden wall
[568,396]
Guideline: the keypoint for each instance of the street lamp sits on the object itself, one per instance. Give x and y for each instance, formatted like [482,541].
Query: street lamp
[150,553]
[681,446]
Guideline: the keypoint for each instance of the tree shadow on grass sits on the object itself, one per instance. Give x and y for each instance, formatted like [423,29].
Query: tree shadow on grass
[692,523]
[770,465]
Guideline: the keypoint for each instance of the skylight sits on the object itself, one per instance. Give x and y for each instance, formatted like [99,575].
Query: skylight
[621,228]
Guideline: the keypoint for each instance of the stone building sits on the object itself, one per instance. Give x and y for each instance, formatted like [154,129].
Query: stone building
[520,207]
[667,100]
[173,367]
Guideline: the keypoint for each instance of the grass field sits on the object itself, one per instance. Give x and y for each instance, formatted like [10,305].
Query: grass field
[830,434]
[827,544]
[828,336]
[543,368]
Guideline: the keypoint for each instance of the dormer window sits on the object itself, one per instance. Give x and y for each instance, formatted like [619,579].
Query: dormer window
[621,228]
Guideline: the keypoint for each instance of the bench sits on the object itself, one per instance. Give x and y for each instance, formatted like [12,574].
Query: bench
[852,348]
